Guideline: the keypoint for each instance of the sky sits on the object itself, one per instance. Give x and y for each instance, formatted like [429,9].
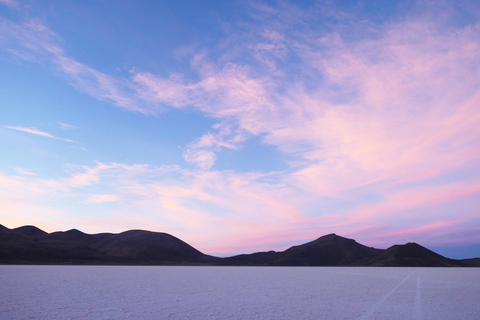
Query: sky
[240,126]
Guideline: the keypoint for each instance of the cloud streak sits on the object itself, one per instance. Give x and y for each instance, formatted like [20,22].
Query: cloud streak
[35,131]
[66,126]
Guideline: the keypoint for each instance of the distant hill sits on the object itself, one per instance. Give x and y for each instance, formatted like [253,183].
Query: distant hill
[148,246]
[31,245]
[411,255]
[329,250]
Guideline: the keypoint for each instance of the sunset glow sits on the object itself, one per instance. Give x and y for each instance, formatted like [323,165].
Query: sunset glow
[243,126]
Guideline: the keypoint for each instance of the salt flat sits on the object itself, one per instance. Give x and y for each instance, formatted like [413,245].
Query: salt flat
[115,292]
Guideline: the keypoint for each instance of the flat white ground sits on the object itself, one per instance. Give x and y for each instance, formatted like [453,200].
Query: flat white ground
[106,292]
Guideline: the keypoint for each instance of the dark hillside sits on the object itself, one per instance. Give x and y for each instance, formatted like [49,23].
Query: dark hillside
[329,250]
[411,255]
[31,245]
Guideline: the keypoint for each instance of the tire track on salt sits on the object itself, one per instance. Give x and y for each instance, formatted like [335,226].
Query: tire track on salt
[417,306]
[382,300]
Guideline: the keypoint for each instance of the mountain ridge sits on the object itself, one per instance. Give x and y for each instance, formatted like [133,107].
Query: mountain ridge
[31,245]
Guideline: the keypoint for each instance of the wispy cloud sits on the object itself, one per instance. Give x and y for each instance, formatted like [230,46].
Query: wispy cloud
[24,172]
[224,91]
[224,211]
[34,41]
[66,126]
[33,130]
[9,3]
[101,198]
[202,152]
[172,199]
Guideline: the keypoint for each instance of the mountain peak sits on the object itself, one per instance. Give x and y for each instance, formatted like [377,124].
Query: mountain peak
[411,254]
[29,231]
[329,250]
[331,237]
[75,232]
[412,244]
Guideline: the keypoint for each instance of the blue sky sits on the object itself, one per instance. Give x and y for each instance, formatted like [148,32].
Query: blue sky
[243,126]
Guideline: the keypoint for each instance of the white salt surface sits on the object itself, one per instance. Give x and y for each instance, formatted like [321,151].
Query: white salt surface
[113,292]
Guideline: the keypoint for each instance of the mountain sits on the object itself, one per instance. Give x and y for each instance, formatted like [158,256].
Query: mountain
[139,245]
[334,250]
[329,250]
[29,231]
[31,245]
[411,255]
[475,262]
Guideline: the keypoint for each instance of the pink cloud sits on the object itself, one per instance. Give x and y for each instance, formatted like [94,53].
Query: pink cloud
[204,159]
[202,151]
[388,79]
[401,201]
[193,205]
[172,92]
[101,198]
[422,229]
[24,172]
[32,131]
[219,212]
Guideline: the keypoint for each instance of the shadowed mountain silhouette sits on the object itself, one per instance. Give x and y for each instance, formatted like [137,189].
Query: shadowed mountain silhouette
[147,246]
[475,262]
[30,245]
[70,235]
[329,250]
[413,255]
[29,231]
